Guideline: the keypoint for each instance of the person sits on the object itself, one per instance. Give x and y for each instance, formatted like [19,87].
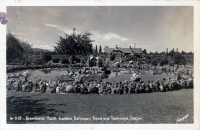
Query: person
[89,87]
[43,87]
[48,87]
[125,90]
[108,88]
[157,85]
[63,87]
[113,88]
[183,83]
[25,78]
[30,85]
[24,86]
[178,77]
[19,85]
[100,90]
[152,86]
[142,87]
[147,88]
[131,88]
[137,88]
[84,89]
[53,86]
[190,83]
[77,88]
[58,86]
[121,88]
[79,71]
[170,85]
[162,88]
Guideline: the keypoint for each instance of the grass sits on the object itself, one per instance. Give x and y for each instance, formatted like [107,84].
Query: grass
[151,108]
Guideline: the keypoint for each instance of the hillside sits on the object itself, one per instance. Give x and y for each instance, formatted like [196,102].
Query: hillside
[40,50]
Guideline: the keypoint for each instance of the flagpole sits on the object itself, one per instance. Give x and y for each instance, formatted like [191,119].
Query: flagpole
[74,31]
[73,52]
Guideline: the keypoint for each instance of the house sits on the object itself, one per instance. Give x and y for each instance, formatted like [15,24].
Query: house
[124,51]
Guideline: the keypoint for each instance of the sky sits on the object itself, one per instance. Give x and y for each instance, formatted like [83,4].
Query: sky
[153,28]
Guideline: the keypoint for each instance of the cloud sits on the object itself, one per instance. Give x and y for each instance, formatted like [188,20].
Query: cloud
[66,30]
[47,47]
[109,39]
[103,39]
[25,39]
[52,25]
[14,33]
[38,41]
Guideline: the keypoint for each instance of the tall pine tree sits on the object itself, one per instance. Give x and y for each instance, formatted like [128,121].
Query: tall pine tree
[100,50]
[96,50]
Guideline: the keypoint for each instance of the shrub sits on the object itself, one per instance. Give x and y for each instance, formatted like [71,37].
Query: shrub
[65,61]
[179,59]
[56,60]
[17,60]
[112,57]
[83,62]
[157,60]
[37,61]
[46,57]
[78,60]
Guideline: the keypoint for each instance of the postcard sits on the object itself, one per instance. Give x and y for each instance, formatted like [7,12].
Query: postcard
[100,64]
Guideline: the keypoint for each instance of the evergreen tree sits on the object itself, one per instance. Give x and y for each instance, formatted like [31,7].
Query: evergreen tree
[96,50]
[100,50]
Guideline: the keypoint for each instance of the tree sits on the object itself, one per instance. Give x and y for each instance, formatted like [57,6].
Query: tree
[46,57]
[179,59]
[13,48]
[171,53]
[72,45]
[64,61]
[183,52]
[159,60]
[112,57]
[100,50]
[17,50]
[56,60]
[144,51]
[96,50]
[37,61]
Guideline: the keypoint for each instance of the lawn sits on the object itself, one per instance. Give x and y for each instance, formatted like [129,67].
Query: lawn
[152,108]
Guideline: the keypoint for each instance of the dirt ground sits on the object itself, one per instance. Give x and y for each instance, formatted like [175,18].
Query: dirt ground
[147,108]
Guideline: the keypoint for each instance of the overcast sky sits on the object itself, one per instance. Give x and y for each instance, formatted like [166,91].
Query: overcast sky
[151,28]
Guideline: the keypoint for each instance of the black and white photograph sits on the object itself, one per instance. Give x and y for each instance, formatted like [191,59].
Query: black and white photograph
[99,64]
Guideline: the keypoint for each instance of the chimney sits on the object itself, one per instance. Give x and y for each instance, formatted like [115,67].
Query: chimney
[176,49]
[167,50]
[130,47]
[134,45]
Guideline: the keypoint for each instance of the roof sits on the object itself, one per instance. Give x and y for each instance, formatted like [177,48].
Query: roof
[125,50]
[108,50]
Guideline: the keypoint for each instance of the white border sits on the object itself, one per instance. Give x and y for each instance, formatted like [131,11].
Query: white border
[195,4]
